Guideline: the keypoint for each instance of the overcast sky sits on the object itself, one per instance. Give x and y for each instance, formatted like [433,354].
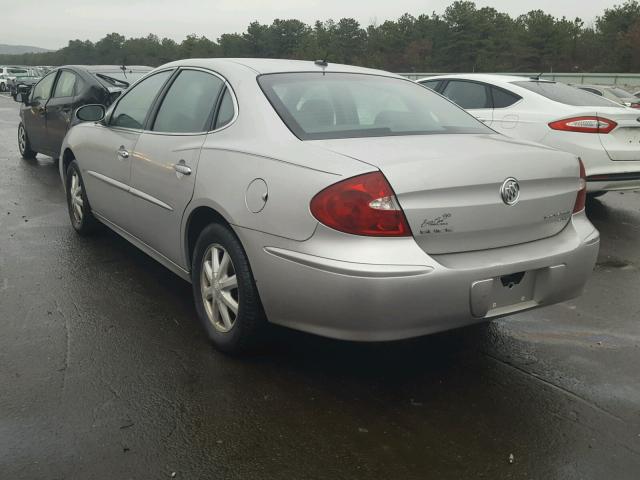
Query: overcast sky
[52,23]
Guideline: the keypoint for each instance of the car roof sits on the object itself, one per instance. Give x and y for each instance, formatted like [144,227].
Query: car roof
[270,65]
[108,68]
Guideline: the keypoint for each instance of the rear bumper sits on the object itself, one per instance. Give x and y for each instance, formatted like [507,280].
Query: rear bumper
[398,291]
[614,181]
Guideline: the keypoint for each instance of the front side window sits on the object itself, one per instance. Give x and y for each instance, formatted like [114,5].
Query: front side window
[132,110]
[65,84]
[559,92]
[468,95]
[188,105]
[345,105]
[42,90]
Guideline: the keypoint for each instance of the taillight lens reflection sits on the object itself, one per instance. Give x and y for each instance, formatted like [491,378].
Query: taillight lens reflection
[581,199]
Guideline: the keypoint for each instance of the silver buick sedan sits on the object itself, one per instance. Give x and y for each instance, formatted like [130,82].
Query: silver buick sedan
[342,201]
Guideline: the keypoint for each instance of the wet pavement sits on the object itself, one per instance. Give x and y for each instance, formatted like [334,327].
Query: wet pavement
[105,373]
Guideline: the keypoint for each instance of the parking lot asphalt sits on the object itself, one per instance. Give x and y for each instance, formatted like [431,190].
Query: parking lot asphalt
[105,373]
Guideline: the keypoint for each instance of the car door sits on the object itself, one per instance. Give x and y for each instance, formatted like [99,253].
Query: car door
[60,109]
[106,166]
[34,115]
[473,96]
[164,168]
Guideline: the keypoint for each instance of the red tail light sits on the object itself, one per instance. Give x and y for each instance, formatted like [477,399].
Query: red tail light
[362,205]
[582,193]
[635,105]
[584,125]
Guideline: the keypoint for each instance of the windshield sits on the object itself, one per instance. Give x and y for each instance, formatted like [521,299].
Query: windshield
[559,92]
[620,93]
[342,105]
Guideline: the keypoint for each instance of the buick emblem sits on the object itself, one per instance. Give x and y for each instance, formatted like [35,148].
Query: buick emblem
[510,191]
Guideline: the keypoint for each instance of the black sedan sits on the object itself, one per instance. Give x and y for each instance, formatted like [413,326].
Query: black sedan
[48,108]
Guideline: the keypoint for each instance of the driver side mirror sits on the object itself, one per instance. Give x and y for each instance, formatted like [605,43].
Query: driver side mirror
[21,97]
[90,113]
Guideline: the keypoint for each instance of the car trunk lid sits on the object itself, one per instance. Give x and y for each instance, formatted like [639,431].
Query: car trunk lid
[449,187]
[623,142]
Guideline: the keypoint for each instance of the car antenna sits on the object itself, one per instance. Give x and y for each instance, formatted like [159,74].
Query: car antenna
[323,63]
[124,69]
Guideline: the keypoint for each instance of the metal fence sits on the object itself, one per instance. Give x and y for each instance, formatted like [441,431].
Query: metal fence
[622,79]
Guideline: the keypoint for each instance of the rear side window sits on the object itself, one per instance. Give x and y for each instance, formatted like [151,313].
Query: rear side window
[468,95]
[226,112]
[189,103]
[432,84]
[132,110]
[345,105]
[502,98]
[65,85]
[559,92]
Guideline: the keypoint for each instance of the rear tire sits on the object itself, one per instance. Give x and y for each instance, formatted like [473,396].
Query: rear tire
[80,214]
[225,293]
[24,145]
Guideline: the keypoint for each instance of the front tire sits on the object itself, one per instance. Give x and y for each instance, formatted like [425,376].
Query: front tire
[225,293]
[24,145]
[80,214]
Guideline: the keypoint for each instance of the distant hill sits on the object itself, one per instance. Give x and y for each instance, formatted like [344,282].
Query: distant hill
[19,49]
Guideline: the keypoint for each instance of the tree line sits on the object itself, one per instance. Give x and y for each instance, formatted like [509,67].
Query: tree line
[462,39]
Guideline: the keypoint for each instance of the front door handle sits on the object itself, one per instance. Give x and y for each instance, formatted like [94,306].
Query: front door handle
[123,153]
[182,168]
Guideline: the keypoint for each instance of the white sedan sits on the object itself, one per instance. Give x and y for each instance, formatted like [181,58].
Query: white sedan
[605,135]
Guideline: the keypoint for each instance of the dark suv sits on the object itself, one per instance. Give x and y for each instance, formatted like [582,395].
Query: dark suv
[48,108]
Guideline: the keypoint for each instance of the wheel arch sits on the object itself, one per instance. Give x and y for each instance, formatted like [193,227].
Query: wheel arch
[67,157]
[196,221]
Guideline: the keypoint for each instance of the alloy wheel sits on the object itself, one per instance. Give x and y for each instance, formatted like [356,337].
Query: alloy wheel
[77,203]
[22,139]
[219,288]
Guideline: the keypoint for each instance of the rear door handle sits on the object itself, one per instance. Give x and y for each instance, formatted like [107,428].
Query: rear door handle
[122,152]
[182,168]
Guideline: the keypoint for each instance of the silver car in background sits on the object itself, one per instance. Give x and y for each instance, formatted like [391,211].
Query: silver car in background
[342,201]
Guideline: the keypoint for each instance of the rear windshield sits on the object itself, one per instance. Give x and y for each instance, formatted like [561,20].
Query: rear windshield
[119,78]
[343,105]
[559,92]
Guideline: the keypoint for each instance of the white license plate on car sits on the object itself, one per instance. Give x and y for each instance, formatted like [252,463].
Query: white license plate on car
[492,296]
